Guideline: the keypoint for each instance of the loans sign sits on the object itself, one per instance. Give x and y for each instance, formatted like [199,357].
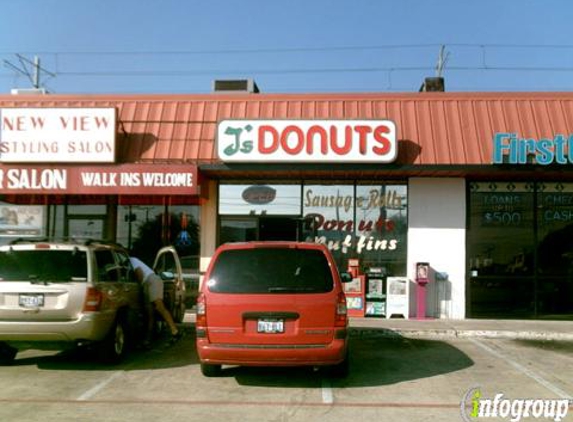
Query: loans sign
[57,135]
[327,141]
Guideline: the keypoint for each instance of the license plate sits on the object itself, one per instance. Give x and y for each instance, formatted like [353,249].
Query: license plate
[31,301]
[271,326]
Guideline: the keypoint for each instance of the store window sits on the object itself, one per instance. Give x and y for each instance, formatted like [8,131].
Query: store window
[86,221]
[259,211]
[52,220]
[134,222]
[555,248]
[328,218]
[87,210]
[501,248]
[365,221]
[259,199]
[501,229]
[144,229]
[20,221]
[382,227]
[520,249]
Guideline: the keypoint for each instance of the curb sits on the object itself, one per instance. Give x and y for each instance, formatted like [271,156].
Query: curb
[515,335]
[371,332]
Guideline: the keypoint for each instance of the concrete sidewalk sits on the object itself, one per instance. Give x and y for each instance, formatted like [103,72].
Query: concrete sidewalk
[503,329]
[486,328]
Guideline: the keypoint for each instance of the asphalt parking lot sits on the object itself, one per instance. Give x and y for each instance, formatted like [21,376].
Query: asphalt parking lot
[392,378]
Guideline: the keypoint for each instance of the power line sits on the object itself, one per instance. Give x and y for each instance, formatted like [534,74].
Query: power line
[233,51]
[237,71]
[391,71]
[34,75]
[189,72]
[295,49]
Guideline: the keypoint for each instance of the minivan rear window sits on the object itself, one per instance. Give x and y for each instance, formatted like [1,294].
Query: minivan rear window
[43,266]
[271,270]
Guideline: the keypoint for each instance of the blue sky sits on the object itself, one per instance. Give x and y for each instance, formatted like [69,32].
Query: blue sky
[177,46]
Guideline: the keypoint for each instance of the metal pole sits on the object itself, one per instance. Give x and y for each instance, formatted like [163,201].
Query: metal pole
[36,81]
[129,219]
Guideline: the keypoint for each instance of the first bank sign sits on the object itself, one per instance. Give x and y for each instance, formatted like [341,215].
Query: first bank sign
[325,141]
[62,135]
[545,151]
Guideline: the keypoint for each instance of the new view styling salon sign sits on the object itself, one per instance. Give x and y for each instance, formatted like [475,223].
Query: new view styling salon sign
[57,135]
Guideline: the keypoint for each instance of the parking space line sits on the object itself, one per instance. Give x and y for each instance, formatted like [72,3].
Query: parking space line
[98,387]
[525,371]
[327,395]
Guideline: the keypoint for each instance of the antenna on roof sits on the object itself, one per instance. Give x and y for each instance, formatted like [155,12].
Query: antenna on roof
[34,75]
[437,83]
[442,60]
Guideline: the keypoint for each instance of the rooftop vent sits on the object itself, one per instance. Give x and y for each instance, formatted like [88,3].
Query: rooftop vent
[28,91]
[433,84]
[235,85]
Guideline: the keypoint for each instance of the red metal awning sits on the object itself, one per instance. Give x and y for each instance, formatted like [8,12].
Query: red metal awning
[434,129]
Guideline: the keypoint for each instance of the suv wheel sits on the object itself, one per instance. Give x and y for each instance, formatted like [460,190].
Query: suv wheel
[7,353]
[114,346]
[210,370]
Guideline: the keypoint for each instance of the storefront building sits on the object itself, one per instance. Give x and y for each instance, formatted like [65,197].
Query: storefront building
[475,187]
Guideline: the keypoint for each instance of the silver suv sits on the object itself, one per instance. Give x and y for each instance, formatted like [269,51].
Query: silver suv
[84,293]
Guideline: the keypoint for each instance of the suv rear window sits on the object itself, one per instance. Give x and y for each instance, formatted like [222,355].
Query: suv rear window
[43,266]
[271,270]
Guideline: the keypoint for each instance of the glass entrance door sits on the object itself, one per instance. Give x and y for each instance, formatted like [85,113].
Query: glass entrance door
[279,228]
[237,229]
[246,229]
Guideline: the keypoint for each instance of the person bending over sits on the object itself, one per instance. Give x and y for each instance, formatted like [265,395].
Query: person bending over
[153,293]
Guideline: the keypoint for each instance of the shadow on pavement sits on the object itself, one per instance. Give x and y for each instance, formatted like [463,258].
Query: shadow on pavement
[377,357]
[162,355]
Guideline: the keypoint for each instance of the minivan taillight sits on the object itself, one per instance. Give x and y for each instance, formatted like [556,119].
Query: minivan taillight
[201,321]
[341,311]
[93,300]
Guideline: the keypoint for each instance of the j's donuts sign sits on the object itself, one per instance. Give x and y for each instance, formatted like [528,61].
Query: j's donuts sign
[326,141]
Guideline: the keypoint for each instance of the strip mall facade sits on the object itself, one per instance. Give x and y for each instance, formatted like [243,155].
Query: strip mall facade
[477,185]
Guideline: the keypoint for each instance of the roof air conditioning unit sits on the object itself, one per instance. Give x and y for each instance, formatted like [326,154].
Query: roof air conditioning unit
[28,91]
[235,85]
[433,84]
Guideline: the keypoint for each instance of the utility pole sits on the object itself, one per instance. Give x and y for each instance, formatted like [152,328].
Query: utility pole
[37,70]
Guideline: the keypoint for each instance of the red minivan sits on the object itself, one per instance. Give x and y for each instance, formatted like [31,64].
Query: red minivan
[272,304]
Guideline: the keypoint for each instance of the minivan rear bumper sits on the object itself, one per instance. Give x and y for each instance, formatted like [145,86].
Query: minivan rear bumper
[272,354]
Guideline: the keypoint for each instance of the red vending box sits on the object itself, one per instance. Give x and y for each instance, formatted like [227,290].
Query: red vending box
[355,290]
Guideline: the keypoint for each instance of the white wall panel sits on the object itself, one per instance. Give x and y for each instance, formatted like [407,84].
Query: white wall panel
[437,234]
